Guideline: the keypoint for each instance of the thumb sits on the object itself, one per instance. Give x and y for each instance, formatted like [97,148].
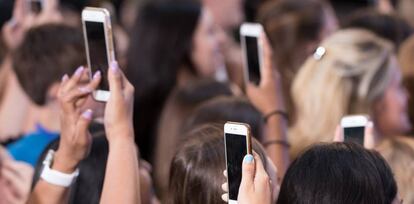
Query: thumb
[339,136]
[248,172]
[369,138]
[115,79]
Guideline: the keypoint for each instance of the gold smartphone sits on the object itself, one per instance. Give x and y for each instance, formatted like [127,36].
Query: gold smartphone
[237,140]
[97,31]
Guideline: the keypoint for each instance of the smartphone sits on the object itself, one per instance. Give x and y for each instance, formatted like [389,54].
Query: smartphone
[252,51]
[354,128]
[35,6]
[237,142]
[97,31]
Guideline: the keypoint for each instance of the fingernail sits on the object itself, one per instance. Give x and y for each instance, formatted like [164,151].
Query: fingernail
[114,66]
[370,124]
[248,159]
[85,90]
[79,71]
[87,114]
[97,75]
[65,77]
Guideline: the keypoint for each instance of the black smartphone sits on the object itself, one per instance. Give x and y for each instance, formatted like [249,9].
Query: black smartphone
[252,55]
[354,128]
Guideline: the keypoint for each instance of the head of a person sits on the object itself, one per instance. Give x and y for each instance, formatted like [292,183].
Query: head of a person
[353,72]
[227,14]
[196,172]
[338,173]
[168,39]
[46,54]
[222,109]
[388,26]
[295,28]
[406,59]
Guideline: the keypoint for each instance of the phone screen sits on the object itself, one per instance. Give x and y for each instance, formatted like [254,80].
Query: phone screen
[235,152]
[98,55]
[252,57]
[354,134]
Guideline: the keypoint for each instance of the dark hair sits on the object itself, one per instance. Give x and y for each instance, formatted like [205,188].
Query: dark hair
[161,46]
[223,109]
[46,54]
[338,173]
[291,25]
[388,26]
[89,184]
[196,172]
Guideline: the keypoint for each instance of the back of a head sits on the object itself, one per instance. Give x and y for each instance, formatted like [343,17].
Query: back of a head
[223,109]
[339,173]
[161,43]
[46,54]
[388,26]
[196,172]
[290,26]
[349,77]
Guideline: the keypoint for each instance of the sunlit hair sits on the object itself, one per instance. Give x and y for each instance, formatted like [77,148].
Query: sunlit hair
[350,75]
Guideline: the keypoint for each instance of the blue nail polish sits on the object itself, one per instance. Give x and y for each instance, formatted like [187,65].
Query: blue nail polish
[248,159]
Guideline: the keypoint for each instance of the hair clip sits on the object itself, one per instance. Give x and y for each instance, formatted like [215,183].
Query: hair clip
[319,53]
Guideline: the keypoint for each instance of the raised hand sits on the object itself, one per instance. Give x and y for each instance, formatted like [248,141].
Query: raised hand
[75,140]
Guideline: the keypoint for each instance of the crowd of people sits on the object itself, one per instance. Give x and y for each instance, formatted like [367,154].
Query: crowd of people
[178,78]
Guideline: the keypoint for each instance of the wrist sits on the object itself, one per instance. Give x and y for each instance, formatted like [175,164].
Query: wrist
[63,163]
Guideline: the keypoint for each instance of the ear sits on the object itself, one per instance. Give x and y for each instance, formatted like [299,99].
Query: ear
[52,92]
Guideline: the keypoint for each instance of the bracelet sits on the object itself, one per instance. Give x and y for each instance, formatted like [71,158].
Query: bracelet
[276,112]
[277,142]
[55,177]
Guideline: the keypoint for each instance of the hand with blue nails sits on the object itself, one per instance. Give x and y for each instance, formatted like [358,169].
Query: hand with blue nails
[255,186]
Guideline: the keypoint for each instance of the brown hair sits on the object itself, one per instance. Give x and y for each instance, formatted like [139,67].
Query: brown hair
[196,172]
[406,59]
[291,26]
[45,55]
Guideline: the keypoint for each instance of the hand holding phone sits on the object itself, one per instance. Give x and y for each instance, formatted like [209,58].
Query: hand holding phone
[353,128]
[252,51]
[237,142]
[97,31]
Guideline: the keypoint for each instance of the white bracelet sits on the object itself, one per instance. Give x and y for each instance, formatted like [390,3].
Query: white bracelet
[56,177]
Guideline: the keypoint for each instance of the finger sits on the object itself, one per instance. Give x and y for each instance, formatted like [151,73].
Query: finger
[49,6]
[267,69]
[225,173]
[20,10]
[261,180]
[225,197]
[20,169]
[75,94]
[369,138]
[248,172]
[339,136]
[83,123]
[225,187]
[115,80]
[74,80]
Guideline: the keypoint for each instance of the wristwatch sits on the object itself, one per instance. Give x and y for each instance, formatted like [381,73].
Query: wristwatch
[56,177]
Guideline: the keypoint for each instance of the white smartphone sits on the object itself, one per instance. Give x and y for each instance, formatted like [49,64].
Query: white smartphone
[353,127]
[252,51]
[97,31]
[237,142]
[35,6]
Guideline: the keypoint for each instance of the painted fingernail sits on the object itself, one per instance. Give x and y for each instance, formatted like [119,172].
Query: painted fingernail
[65,77]
[97,74]
[114,66]
[87,114]
[248,159]
[79,71]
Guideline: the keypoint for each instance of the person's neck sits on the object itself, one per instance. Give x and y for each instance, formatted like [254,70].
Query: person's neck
[47,116]
[184,76]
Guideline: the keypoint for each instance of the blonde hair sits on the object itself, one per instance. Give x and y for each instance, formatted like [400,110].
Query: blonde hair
[399,154]
[347,78]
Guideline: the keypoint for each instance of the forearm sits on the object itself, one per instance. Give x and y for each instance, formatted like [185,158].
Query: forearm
[276,130]
[121,183]
[46,193]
